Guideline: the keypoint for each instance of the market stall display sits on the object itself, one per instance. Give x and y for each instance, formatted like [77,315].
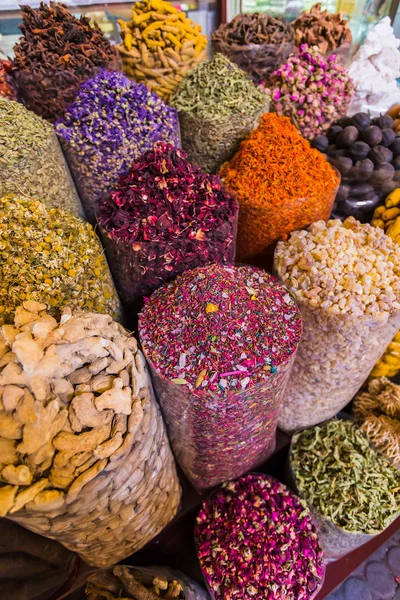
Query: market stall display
[218,107]
[257,43]
[160,45]
[313,91]
[166,216]
[366,153]
[131,120]
[255,538]
[330,32]
[220,358]
[375,69]
[350,489]
[346,281]
[281,183]
[31,160]
[55,55]
[51,256]
[85,457]
[377,411]
[7,84]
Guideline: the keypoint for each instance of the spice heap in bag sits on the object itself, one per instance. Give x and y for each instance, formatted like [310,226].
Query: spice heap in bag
[56,54]
[352,492]
[86,460]
[7,84]
[51,256]
[220,359]
[258,43]
[377,410]
[255,539]
[346,280]
[160,45]
[331,33]
[165,217]
[282,184]
[366,153]
[111,122]
[313,91]
[31,160]
[218,106]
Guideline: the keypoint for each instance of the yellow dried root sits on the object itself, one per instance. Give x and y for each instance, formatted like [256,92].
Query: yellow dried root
[160,45]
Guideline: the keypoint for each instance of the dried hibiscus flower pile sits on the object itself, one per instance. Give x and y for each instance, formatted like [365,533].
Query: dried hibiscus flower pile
[256,539]
[166,216]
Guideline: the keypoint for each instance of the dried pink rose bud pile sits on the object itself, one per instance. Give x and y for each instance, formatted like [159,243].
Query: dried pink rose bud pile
[255,539]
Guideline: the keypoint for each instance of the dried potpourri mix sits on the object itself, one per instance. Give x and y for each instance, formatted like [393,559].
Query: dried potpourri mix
[160,45]
[7,84]
[220,358]
[351,490]
[258,43]
[56,54]
[111,122]
[165,216]
[51,256]
[218,106]
[255,539]
[312,90]
[31,160]
[346,281]
[282,184]
[329,32]
[377,411]
[85,456]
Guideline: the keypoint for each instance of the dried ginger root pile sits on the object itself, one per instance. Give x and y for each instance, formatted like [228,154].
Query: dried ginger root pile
[84,456]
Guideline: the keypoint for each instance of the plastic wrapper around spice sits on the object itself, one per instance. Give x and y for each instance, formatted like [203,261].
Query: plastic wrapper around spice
[31,160]
[346,281]
[85,456]
[220,358]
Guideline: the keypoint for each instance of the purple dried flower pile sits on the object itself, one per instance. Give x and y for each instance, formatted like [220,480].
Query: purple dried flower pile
[111,122]
[255,539]
[166,216]
[311,90]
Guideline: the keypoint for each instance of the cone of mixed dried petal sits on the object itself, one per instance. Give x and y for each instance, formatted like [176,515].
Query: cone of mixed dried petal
[220,357]
[351,490]
[166,216]
[256,539]
[85,457]
[346,280]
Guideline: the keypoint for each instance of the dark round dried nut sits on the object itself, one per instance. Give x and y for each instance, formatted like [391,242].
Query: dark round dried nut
[343,164]
[347,136]
[388,137]
[372,136]
[389,186]
[383,172]
[380,154]
[358,151]
[362,190]
[344,122]
[362,170]
[384,122]
[333,132]
[320,143]
[343,192]
[396,176]
[335,152]
[395,147]
[396,163]
[361,120]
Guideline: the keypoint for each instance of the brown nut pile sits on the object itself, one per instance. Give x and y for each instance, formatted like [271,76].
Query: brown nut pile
[320,28]
[85,457]
[160,45]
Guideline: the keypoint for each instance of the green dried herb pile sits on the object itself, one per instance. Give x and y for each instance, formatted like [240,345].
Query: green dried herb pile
[31,160]
[218,106]
[344,479]
[51,256]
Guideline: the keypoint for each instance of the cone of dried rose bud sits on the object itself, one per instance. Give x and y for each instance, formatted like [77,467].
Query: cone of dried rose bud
[166,216]
[311,90]
[111,122]
[8,88]
[55,55]
[220,357]
[255,539]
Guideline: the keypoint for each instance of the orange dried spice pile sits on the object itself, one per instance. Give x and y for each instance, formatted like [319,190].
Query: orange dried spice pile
[282,184]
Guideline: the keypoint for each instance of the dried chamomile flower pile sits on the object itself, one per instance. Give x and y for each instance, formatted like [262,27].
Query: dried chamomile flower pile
[51,256]
[255,539]
[85,457]
[377,410]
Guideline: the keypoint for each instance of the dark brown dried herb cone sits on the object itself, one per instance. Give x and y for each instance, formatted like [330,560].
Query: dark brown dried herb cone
[55,55]
[258,43]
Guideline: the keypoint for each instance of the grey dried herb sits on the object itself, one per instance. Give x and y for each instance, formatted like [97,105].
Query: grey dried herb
[344,479]
[31,160]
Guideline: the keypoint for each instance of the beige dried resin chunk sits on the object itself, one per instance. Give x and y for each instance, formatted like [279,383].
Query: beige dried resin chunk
[346,280]
[84,456]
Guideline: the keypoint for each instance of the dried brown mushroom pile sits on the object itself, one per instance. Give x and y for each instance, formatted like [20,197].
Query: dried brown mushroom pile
[84,453]
[126,582]
[321,28]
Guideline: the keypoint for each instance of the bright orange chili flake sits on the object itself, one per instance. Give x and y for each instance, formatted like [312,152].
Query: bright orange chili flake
[282,184]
